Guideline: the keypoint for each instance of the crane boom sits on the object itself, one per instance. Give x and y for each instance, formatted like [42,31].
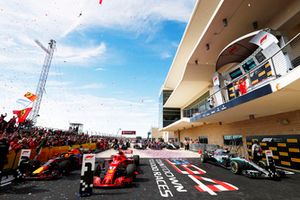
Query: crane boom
[43,78]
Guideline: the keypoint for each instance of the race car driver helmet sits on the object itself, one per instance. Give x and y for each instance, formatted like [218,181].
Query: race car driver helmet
[67,155]
[74,151]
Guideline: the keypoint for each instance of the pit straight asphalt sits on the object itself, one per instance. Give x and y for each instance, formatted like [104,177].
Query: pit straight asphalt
[165,174]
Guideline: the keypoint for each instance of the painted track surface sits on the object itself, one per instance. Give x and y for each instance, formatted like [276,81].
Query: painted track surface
[146,186]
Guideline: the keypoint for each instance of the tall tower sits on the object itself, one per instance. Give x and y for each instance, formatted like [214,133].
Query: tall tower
[43,79]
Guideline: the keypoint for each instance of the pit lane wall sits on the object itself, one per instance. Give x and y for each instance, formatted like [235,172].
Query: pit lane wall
[285,126]
[45,155]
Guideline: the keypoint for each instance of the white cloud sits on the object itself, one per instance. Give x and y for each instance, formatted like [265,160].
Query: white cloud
[99,69]
[91,86]
[165,55]
[24,21]
[97,113]
[79,55]
[57,84]
[56,73]
[60,106]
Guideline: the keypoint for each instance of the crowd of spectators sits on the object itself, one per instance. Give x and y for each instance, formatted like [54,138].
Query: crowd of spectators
[19,136]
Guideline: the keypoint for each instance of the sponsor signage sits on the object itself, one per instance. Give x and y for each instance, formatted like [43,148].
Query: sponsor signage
[264,39]
[128,132]
[25,154]
[87,175]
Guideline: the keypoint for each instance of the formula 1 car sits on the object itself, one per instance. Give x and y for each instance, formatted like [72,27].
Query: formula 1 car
[122,146]
[172,146]
[118,171]
[239,165]
[257,170]
[140,145]
[52,169]
[220,157]
[157,146]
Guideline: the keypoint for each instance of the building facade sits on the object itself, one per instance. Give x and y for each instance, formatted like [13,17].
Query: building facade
[235,78]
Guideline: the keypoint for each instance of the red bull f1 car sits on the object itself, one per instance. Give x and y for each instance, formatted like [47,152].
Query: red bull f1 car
[52,169]
[118,171]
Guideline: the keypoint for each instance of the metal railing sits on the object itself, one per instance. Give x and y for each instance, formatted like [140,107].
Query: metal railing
[207,103]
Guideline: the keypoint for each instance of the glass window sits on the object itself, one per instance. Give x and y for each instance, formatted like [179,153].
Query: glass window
[235,73]
[233,140]
[203,139]
[250,64]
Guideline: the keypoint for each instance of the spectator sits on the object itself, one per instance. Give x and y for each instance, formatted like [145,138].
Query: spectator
[4,146]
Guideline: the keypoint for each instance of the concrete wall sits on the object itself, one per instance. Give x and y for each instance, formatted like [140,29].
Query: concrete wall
[284,123]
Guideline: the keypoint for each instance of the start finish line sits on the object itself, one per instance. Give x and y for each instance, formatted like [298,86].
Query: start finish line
[163,176]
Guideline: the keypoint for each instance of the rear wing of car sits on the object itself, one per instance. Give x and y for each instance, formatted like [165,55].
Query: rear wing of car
[129,151]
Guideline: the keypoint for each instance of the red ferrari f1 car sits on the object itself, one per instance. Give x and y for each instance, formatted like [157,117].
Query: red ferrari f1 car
[118,171]
[54,168]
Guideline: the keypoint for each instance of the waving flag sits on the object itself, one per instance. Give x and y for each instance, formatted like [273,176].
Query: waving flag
[30,96]
[22,114]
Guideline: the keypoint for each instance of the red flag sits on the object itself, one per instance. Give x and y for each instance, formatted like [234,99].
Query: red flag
[100,1]
[22,114]
[30,96]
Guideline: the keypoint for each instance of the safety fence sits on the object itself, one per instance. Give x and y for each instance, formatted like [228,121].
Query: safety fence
[285,148]
[45,154]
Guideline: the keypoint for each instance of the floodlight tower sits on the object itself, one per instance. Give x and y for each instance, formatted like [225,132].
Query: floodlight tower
[43,78]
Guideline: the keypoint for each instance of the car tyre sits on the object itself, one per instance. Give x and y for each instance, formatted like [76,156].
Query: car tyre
[136,159]
[130,169]
[98,169]
[65,167]
[236,167]
[202,158]
[262,164]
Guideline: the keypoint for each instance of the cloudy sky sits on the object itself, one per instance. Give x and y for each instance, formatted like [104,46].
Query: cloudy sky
[108,66]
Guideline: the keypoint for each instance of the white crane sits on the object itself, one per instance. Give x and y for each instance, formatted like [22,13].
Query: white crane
[43,78]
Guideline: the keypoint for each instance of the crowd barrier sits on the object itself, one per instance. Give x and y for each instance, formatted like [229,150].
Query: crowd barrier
[45,155]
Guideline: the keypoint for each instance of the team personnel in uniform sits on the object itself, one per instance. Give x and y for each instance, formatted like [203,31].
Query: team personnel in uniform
[256,151]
